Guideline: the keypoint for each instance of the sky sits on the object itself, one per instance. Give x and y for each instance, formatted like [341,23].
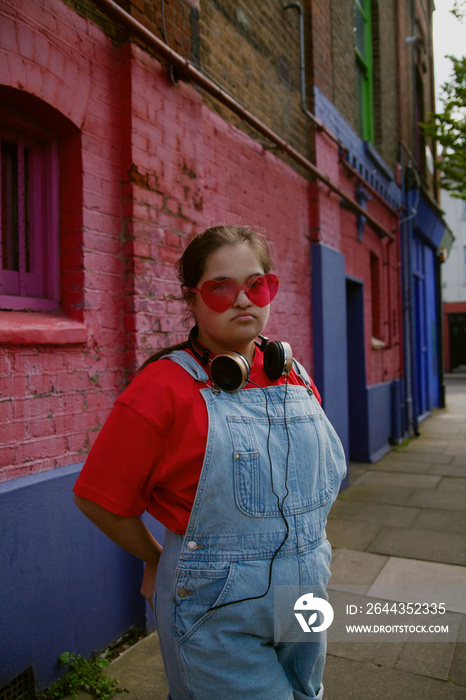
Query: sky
[449,38]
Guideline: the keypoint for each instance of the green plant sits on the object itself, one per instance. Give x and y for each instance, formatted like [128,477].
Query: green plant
[83,674]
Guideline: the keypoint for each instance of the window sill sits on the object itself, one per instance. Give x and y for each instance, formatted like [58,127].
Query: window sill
[30,328]
[377,344]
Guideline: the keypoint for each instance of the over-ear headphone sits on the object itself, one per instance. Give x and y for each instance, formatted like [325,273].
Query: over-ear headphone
[230,370]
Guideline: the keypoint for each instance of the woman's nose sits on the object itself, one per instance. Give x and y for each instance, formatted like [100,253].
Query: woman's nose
[242,299]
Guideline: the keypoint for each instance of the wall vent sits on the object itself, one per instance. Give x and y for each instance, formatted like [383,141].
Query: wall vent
[20,688]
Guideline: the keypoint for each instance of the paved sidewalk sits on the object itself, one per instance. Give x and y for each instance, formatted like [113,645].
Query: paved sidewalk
[402,521]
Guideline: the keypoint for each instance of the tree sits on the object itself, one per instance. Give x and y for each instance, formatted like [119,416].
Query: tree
[459,10]
[448,128]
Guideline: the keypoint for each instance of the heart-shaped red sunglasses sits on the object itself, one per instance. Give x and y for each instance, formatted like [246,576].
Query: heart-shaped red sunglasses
[220,295]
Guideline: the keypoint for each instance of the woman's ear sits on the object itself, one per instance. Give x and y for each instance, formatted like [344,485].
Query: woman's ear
[188,297]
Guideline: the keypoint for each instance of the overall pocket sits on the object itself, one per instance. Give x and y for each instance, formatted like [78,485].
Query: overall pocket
[196,590]
[289,464]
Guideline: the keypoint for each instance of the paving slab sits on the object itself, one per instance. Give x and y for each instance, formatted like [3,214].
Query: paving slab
[407,466]
[452,485]
[458,664]
[430,578]
[454,468]
[140,671]
[428,545]
[380,513]
[444,427]
[456,447]
[431,659]
[441,520]
[423,498]
[404,453]
[356,469]
[413,481]
[395,495]
[351,534]
[350,567]
[378,653]
[424,443]
[346,679]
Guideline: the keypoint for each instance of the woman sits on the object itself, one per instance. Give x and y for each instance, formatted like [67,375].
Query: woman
[223,441]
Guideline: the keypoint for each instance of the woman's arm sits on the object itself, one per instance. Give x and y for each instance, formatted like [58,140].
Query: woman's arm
[131,534]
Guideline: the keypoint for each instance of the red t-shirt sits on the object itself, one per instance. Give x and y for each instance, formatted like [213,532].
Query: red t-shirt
[150,451]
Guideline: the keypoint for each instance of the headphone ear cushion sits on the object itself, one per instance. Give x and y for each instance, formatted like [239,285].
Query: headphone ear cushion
[230,371]
[274,359]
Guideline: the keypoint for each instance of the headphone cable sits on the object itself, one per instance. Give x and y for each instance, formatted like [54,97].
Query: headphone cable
[280,505]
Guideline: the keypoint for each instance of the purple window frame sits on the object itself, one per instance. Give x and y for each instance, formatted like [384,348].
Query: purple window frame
[30,216]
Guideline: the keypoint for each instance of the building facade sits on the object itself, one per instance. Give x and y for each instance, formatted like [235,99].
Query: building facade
[128,128]
[454,286]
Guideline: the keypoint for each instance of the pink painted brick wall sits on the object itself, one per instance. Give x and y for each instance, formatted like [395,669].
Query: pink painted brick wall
[194,171]
[155,167]
[53,399]
[336,227]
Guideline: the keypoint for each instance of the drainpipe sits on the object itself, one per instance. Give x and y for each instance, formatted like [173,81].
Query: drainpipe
[188,71]
[440,338]
[302,68]
[407,302]
[343,151]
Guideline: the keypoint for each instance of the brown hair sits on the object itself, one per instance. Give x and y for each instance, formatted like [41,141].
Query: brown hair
[191,265]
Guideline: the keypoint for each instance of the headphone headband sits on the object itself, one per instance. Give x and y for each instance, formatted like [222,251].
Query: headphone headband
[230,370]
[198,349]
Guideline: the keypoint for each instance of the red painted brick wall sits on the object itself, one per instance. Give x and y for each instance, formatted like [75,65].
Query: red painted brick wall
[54,398]
[147,166]
[197,171]
[336,227]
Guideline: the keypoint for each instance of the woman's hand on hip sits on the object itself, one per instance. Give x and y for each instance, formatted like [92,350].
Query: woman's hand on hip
[148,583]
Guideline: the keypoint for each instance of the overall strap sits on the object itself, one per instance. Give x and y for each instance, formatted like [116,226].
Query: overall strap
[302,374]
[190,364]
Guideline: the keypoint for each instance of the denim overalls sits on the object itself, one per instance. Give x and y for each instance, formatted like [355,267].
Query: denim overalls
[234,530]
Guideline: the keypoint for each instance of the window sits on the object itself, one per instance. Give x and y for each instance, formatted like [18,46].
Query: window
[29,264]
[363,51]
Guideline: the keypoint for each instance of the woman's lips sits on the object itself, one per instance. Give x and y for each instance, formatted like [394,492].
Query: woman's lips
[246,316]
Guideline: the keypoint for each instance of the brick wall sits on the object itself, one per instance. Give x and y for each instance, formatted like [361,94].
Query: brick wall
[252,49]
[54,398]
[344,66]
[146,166]
[334,66]
[320,55]
[196,171]
[336,227]
[384,36]
[174,21]
[385,363]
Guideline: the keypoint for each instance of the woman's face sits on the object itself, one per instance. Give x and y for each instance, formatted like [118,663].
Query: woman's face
[237,327]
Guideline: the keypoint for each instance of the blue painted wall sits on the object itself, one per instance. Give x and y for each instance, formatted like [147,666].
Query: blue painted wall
[64,586]
[432,331]
[361,414]
[425,232]
[379,411]
[356,348]
[329,337]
